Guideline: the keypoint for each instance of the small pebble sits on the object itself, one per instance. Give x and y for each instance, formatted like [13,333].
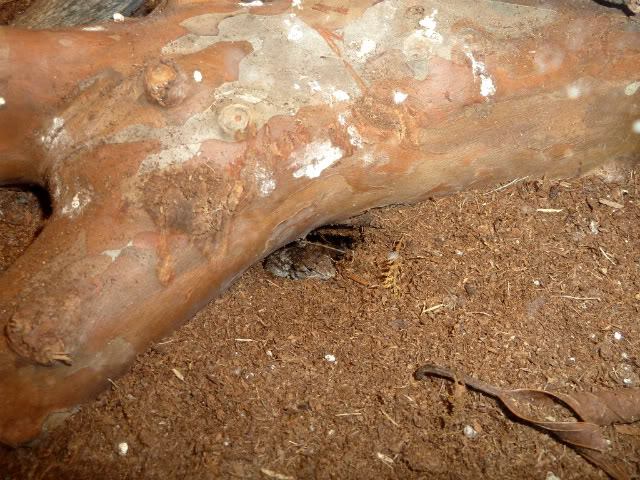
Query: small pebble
[123,448]
[617,336]
[470,432]
[330,358]
[627,381]
[551,476]
[118,17]
[197,76]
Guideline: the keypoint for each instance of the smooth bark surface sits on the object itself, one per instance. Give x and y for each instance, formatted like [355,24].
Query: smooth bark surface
[181,149]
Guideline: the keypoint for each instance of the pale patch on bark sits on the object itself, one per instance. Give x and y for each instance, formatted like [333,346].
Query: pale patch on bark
[315,159]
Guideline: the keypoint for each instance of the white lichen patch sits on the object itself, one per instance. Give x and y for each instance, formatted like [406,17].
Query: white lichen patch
[295,33]
[266,183]
[479,70]
[632,88]
[341,96]
[118,17]
[354,137]
[314,86]
[77,204]
[399,97]
[316,157]
[56,135]
[429,25]
[113,254]
[169,157]
[93,28]
[367,47]
[373,157]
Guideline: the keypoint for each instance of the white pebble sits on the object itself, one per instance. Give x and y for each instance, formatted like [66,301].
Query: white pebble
[459,253]
[572,359]
[617,336]
[536,283]
[636,126]
[118,17]
[197,75]
[330,358]
[469,432]
[3,102]
[551,476]
[269,353]
[123,448]
[625,356]
[627,381]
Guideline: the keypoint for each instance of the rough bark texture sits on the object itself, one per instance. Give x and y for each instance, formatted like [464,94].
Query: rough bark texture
[63,13]
[182,148]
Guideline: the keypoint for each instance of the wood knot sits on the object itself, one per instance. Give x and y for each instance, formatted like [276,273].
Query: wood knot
[26,338]
[165,83]
[234,119]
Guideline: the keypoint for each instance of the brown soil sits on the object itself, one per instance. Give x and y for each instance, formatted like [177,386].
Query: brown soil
[488,285]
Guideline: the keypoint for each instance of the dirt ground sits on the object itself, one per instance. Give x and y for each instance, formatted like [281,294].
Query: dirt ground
[314,379]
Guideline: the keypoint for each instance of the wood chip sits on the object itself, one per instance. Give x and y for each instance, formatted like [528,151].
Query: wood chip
[279,476]
[177,374]
[610,203]
[385,458]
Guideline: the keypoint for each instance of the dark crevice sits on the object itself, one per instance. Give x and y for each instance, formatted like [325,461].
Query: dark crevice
[617,4]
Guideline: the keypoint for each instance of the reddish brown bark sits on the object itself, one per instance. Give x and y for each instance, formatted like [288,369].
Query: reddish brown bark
[181,149]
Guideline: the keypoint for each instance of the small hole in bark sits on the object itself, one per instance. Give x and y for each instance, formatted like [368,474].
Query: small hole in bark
[146,8]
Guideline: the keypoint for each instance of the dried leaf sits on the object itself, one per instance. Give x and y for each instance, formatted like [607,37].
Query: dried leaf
[607,407]
[595,409]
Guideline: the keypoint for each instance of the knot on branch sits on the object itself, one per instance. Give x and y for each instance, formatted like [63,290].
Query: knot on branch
[34,333]
[234,119]
[165,83]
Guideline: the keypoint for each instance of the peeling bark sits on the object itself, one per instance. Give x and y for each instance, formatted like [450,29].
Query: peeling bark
[182,148]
